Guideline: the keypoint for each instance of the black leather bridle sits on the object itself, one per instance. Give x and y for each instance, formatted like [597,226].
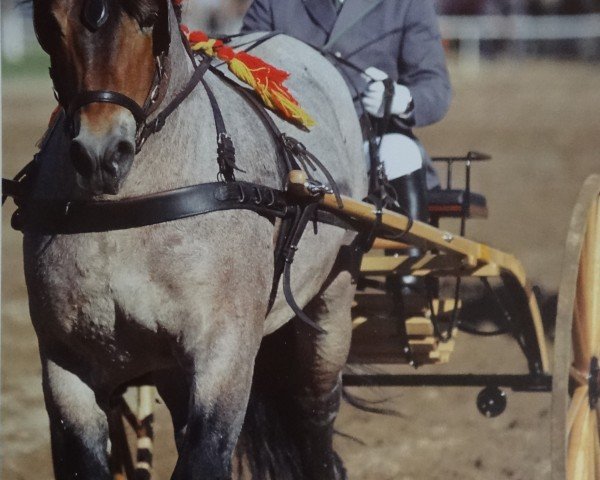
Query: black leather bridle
[94,15]
[87,97]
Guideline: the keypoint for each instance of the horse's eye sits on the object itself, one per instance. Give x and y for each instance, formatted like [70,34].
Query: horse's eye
[95,13]
[149,21]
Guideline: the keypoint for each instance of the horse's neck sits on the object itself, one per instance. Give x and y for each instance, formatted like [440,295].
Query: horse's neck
[175,156]
[181,65]
[185,151]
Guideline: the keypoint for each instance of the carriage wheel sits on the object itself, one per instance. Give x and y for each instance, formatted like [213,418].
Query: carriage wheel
[576,371]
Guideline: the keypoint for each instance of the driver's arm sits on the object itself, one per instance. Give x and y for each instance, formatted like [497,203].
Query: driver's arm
[423,64]
[259,17]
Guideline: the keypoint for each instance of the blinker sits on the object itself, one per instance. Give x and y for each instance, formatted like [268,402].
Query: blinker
[95,14]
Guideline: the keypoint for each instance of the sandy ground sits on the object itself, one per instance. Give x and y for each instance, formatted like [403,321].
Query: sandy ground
[540,122]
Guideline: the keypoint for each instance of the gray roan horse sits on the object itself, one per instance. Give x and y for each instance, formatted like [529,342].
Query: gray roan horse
[185,303]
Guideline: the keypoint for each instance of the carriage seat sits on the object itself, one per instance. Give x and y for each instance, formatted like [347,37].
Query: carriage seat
[454,203]
[449,203]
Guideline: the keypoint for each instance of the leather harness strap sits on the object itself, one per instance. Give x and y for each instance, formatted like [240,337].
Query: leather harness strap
[303,216]
[283,153]
[156,125]
[106,96]
[65,217]
[225,148]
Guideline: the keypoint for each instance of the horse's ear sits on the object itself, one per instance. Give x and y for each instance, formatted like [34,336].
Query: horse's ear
[45,26]
[161,34]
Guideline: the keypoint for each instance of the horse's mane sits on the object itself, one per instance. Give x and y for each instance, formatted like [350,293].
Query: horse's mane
[141,10]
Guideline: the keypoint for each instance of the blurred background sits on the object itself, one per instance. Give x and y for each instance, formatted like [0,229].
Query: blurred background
[526,78]
[556,28]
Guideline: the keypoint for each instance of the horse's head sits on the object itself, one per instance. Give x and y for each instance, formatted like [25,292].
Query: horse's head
[107,60]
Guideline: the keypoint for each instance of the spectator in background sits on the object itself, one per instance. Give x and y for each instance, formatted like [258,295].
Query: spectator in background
[460,7]
[383,39]
[504,7]
[574,7]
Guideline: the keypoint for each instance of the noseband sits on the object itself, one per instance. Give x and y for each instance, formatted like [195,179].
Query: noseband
[107,96]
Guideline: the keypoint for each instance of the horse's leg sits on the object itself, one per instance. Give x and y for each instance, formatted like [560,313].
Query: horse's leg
[219,389]
[78,427]
[318,363]
[173,388]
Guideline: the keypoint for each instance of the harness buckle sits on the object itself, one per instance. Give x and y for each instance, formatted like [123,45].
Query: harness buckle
[160,69]
[242,198]
[157,124]
[154,93]
[295,146]
[140,138]
[317,188]
[271,199]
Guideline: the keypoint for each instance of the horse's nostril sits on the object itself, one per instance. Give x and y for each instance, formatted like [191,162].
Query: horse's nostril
[119,158]
[82,159]
[125,148]
[112,167]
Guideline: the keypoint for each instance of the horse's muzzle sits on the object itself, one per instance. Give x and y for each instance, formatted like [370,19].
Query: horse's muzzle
[102,170]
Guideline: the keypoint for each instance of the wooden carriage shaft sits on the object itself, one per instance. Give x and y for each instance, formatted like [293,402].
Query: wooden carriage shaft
[420,234]
[469,255]
[426,264]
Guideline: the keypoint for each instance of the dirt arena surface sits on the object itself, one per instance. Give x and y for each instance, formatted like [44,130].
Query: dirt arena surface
[540,122]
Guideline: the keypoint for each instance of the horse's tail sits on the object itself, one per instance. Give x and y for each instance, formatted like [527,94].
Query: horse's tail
[266,448]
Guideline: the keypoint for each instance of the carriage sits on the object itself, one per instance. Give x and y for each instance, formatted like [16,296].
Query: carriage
[387,330]
[65,235]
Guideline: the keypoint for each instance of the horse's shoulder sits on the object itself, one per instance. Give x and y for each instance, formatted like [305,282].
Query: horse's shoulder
[285,52]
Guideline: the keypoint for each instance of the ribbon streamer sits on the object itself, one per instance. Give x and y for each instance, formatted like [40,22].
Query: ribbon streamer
[265,79]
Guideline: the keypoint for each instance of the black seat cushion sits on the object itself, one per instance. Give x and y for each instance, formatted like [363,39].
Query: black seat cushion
[444,202]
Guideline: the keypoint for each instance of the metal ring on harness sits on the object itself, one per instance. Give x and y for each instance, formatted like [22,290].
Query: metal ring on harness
[366,244]
[258,196]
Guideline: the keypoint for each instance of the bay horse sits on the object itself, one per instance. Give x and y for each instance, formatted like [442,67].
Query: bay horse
[186,302]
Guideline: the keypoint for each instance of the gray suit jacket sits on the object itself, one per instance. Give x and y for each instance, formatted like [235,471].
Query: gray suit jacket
[400,37]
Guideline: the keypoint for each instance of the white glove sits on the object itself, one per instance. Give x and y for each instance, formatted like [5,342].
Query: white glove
[400,155]
[373,95]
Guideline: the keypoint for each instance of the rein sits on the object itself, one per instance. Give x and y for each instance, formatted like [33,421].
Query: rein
[148,128]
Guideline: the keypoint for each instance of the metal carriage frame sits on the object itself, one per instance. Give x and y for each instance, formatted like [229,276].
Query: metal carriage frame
[453,256]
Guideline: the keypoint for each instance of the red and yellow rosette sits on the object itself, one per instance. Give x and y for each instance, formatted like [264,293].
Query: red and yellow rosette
[265,79]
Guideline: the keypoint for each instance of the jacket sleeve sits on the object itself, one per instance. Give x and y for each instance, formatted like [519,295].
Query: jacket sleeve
[422,64]
[259,17]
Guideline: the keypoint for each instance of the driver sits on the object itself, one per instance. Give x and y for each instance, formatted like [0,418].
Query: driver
[370,41]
